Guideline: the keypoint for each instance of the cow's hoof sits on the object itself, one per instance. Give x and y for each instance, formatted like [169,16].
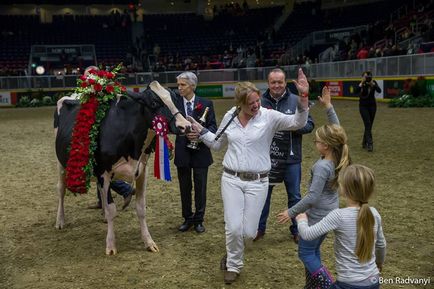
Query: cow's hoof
[153,248]
[59,225]
[110,252]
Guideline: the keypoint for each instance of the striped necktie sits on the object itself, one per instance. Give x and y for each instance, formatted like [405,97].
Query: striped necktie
[189,108]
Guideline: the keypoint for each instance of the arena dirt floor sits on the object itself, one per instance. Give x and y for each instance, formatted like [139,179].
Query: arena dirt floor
[33,254]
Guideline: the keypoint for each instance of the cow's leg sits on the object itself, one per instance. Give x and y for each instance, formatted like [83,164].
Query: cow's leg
[60,188]
[110,214]
[141,208]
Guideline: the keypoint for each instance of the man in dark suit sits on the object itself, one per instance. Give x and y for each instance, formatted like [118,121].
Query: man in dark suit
[188,160]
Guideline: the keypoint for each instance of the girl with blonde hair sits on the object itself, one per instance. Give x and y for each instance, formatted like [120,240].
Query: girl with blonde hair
[322,197]
[360,246]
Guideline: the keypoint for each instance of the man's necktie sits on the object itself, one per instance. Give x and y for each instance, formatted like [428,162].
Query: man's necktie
[189,109]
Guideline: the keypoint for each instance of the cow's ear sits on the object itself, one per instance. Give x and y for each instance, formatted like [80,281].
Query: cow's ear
[148,98]
[136,96]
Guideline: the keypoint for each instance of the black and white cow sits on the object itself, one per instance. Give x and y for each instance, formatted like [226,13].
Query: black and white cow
[124,134]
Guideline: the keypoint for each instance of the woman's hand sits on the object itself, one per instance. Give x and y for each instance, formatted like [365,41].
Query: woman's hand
[301,217]
[196,127]
[283,217]
[192,135]
[301,83]
[303,88]
[325,97]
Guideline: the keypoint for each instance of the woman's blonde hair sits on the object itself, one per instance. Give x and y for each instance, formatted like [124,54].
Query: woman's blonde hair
[357,183]
[243,90]
[335,137]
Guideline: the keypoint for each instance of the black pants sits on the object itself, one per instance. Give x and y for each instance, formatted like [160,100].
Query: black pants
[200,176]
[368,115]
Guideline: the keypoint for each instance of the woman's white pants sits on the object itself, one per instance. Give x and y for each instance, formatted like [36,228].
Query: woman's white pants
[242,202]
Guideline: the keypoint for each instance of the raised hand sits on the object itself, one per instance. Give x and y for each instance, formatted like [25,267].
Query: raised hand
[325,97]
[303,88]
[301,83]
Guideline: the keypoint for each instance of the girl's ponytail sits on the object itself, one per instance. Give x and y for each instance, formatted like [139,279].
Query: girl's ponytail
[344,159]
[365,234]
[357,184]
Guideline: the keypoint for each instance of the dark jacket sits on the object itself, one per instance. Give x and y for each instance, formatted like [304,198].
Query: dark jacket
[287,144]
[367,94]
[185,157]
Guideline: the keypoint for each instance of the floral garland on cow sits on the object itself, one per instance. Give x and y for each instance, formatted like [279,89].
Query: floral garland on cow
[95,90]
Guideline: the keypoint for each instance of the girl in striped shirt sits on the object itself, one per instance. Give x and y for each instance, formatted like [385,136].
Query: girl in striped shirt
[360,246]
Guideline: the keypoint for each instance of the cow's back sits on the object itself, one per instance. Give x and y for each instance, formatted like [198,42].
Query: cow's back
[122,133]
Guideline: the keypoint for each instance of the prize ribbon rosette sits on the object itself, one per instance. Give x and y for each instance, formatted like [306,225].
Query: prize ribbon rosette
[162,147]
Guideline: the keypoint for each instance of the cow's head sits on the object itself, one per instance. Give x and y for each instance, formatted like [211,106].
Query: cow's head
[159,100]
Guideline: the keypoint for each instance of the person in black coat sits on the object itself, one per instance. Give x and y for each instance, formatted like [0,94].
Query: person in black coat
[188,160]
[368,107]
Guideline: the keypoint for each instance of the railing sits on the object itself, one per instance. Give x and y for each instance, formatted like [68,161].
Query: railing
[405,65]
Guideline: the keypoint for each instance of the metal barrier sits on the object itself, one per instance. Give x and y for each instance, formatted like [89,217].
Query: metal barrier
[404,65]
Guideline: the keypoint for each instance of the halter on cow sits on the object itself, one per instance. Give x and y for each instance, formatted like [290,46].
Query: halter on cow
[124,134]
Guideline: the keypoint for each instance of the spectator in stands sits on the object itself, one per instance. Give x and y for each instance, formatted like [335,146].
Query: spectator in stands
[378,52]
[371,53]
[410,48]
[363,53]
[156,50]
[286,163]
[368,107]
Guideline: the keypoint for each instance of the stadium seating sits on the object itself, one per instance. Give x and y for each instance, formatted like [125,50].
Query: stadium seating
[235,37]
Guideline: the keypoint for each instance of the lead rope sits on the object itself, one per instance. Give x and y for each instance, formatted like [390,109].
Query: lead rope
[236,112]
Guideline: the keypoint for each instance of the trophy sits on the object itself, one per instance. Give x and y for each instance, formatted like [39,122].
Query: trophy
[193,144]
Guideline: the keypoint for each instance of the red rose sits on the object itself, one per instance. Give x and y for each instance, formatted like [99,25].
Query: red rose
[101,73]
[123,88]
[83,78]
[92,81]
[198,107]
[97,87]
[84,84]
[93,71]
[109,75]
[109,88]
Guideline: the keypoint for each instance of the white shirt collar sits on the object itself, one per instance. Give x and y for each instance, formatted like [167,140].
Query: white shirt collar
[191,100]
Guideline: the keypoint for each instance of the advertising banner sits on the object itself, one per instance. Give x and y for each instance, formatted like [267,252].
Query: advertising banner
[336,88]
[229,90]
[5,98]
[392,88]
[210,90]
[350,88]
[381,85]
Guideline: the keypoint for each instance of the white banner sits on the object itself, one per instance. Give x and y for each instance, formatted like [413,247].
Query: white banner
[229,90]
[381,85]
[5,98]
